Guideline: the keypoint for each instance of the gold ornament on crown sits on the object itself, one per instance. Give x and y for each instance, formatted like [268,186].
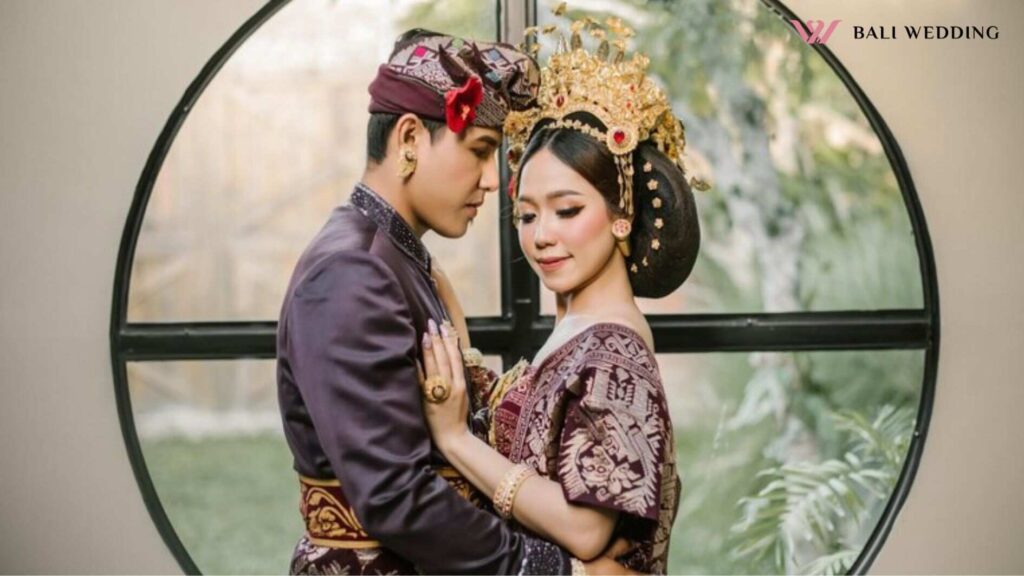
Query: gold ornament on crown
[606,84]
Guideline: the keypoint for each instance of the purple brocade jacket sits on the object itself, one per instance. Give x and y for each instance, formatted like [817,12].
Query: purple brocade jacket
[376,496]
[593,416]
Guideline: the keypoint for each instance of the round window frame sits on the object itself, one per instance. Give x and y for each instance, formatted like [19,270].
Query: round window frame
[521,327]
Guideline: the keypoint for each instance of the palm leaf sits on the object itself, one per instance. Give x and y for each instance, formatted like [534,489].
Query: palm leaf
[831,564]
[807,502]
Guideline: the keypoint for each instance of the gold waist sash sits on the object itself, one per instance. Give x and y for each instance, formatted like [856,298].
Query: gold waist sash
[331,521]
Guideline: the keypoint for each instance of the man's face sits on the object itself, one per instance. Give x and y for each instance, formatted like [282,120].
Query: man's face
[453,175]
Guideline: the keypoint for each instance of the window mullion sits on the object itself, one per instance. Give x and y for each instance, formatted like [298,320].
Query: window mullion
[519,287]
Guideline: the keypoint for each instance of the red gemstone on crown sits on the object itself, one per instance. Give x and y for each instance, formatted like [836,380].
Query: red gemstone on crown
[559,101]
[619,136]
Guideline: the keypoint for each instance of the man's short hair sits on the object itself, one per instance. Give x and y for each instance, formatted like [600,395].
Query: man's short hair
[379,129]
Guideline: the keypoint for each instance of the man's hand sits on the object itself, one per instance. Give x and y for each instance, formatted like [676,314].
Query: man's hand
[606,564]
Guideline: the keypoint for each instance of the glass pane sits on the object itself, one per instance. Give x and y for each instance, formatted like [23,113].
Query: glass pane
[804,211]
[794,454]
[211,437]
[494,363]
[275,142]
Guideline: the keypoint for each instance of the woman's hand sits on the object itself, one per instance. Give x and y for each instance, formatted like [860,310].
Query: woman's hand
[607,563]
[451,301]
[442,365]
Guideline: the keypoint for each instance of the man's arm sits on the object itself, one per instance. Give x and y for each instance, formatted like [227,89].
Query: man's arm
[354,349]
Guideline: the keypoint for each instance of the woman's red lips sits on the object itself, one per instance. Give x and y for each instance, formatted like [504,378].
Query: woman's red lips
[549,264]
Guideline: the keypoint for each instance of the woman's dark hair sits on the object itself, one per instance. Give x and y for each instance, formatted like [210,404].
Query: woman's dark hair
[580,152]
[662,256]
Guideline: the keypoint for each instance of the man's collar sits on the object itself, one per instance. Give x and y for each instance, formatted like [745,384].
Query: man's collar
[384,215]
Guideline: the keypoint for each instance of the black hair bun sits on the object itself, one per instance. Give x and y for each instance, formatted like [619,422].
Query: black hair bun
[666,231]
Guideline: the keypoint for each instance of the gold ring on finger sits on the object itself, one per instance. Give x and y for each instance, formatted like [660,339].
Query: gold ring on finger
[436,389]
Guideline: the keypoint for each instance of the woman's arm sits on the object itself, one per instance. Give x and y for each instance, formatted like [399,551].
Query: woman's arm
[540,504]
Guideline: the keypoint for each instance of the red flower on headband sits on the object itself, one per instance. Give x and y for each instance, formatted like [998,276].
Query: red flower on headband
[460,104]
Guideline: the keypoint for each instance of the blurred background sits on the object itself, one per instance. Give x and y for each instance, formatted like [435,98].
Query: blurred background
[787,458]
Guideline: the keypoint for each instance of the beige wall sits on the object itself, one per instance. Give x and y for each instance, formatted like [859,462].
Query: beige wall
[955,107]
[85,87]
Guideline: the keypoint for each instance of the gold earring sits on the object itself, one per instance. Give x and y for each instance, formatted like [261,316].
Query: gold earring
[621,229]
[406,163]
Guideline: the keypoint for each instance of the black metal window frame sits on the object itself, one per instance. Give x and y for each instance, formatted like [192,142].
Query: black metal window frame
[521,329]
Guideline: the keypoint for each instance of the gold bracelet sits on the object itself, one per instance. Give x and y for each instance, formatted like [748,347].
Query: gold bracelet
[505,493]
[578,567]
[514,491]
[501,492]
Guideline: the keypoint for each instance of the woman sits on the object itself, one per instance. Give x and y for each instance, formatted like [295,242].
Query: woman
[578,444]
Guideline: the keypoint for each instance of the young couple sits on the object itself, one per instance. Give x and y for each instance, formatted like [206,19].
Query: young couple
[564,465]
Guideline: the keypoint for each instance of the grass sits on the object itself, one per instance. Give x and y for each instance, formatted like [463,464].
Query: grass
[234,502]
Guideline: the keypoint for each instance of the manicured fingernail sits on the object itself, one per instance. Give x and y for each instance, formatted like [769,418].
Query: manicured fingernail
[444,330]
[427,342]
[432,326]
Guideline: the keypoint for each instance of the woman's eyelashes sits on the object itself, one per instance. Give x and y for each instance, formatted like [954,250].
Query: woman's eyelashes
[569,212]
[565,213]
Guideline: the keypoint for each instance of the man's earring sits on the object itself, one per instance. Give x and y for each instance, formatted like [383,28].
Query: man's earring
[621,229]
[406,163]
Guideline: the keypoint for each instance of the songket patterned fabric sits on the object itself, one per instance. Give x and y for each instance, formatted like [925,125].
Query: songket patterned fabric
[593,416]
[315,559]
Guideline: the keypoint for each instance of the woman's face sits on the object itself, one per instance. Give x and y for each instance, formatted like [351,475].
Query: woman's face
[564,224]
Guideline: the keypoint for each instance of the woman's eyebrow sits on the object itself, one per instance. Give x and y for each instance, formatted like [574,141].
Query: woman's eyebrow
[553,195]
[560,193]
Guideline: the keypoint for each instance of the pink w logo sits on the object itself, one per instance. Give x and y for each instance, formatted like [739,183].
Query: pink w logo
[813,34]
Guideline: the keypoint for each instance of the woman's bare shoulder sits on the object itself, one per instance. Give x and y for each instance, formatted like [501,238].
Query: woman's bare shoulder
[635,322]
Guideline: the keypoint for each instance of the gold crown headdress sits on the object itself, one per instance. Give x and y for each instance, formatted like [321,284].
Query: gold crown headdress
[610,87]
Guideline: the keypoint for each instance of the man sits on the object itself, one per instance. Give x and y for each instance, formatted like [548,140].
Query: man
[376,496]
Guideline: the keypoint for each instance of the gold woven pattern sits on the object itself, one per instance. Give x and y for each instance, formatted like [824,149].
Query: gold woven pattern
[331,521]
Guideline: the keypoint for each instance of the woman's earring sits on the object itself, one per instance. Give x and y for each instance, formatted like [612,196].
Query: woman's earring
[621,229]
[406,163]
